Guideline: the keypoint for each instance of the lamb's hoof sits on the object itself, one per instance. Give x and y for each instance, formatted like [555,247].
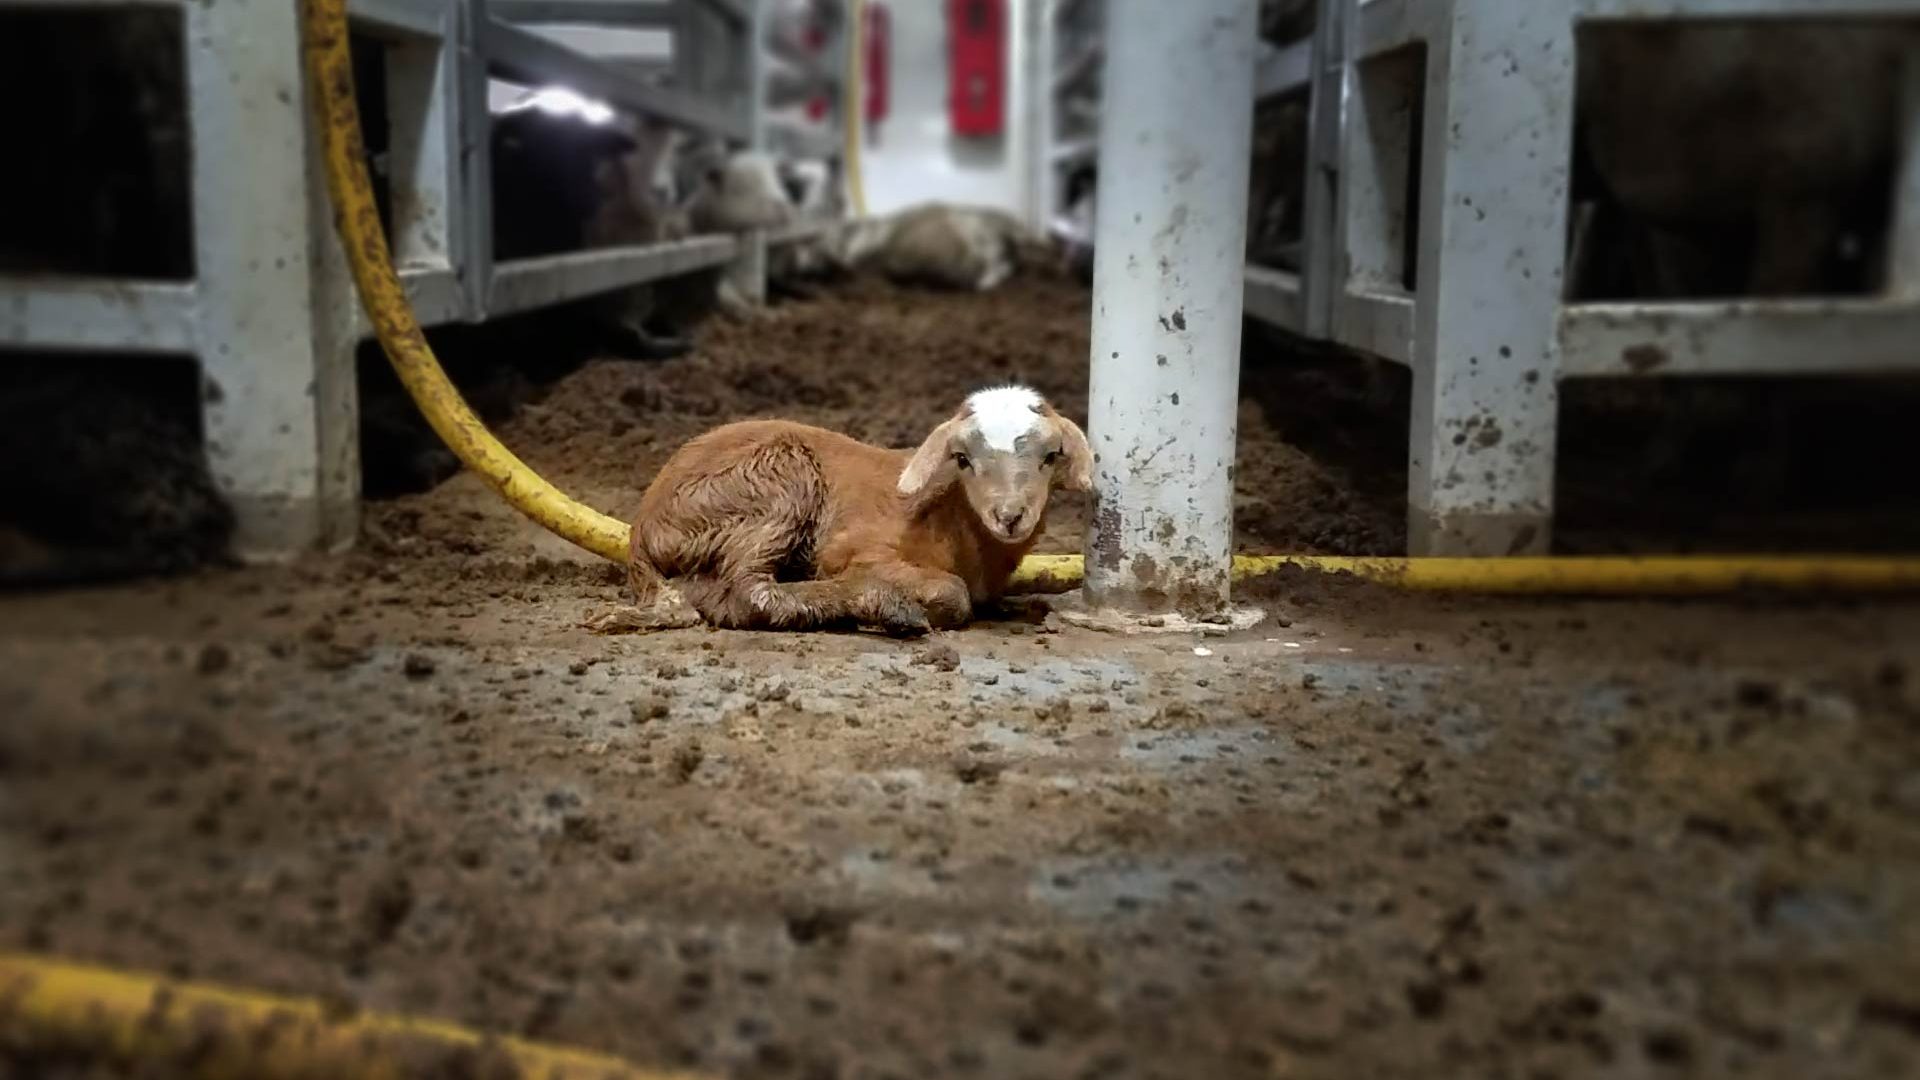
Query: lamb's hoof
[905,621]
[642,620]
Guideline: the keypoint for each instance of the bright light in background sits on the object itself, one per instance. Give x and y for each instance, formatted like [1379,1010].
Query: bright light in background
[560,101]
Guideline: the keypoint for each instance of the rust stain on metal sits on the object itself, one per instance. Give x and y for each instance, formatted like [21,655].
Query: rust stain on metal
[1146,571]
[1106,536]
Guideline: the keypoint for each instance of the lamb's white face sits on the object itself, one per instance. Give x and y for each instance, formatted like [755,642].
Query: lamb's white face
[1007,449]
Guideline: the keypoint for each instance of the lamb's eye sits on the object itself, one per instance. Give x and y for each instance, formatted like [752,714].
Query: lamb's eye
[1052,457]
[963,461]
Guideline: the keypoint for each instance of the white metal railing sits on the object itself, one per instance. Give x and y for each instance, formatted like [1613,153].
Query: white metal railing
[1487,330]
[271,312]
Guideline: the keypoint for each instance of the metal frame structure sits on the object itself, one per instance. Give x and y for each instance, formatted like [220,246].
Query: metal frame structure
[271,312]
[1069,40]
[1486,330]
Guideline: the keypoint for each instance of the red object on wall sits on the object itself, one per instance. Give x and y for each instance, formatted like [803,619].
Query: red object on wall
[976,66]
[816,44]
[876,35]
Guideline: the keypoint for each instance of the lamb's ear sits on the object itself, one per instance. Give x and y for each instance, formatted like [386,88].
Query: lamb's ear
[1073,443]
[930,460]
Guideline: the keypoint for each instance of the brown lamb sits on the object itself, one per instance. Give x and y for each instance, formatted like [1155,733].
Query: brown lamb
[773,525]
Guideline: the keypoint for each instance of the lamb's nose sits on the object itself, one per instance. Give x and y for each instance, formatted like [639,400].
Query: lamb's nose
[1010,519]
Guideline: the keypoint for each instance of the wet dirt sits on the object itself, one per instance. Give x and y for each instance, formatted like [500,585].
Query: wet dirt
[886,365]
[1379,835]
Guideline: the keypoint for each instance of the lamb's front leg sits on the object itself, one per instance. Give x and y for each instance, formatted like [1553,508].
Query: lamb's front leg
[944,597]
[758,602]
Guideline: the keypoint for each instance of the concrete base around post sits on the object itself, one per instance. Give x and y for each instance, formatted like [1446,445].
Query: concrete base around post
[1074,610]
[1175,139]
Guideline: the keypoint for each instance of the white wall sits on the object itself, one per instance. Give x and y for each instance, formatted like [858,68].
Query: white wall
[915,157]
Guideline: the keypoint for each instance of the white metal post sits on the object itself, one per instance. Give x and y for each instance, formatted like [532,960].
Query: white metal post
[1493,208]
[1322,167]
[1039,103]
[423,105]
[1903,263]
[749,271]
[276,319]
[473,125]
[1175,147]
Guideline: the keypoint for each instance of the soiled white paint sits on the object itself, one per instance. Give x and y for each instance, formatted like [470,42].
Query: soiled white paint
[1005,413]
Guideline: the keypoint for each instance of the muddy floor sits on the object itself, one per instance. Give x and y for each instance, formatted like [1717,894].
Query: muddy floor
[1377,835]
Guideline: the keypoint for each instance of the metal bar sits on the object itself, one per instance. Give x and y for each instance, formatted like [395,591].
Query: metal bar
[1082,63]
[793,84]
[1375,151]
[591,12]
[401,18]
[1063,227]
[423,105]
[473,139]
[1064,8]
[437,295]
[808,65]
[739,12]
[651,70]
[1073,152]
[1169,284]
[791,139]
[1382,26]
[1282,71]
[534,59]
[1036,83]
[1275,296]
[552,279]
[1776,337]
[276,317]
[1377,323]
[724,47]
[47,312]
[1082,111]
[1903,255]
[1319,226]
[1498,140]
[1742,9]
[688,76]
[748,274]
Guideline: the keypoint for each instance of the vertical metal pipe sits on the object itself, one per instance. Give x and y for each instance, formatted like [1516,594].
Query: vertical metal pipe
[749,271]
[1497,148]
[1903,270]
[275,320]
[423,103]
[473,125]
[1175,144]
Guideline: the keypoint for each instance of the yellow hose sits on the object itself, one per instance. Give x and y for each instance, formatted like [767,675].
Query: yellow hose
[331,73]
[1629,575]
[54,1009]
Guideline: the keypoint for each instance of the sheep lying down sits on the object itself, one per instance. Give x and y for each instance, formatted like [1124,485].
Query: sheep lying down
[942,246]
[774,525]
